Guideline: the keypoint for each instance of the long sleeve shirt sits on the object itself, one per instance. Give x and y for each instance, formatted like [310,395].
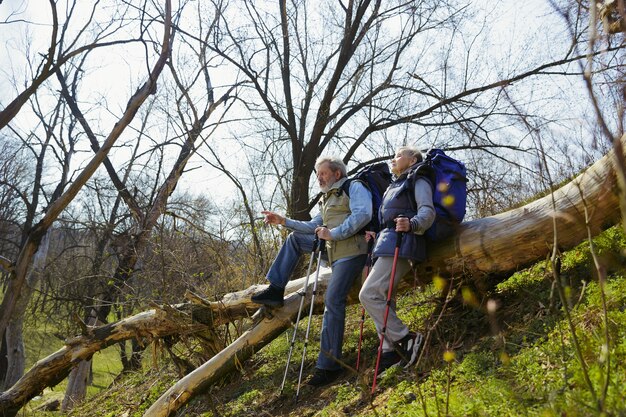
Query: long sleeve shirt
[361,214]
[425,209]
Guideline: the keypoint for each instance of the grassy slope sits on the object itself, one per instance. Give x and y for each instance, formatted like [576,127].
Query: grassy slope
[39,343]
[517,361]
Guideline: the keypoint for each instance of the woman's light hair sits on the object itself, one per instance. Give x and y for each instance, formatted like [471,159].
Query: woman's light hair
[335,164]
[411,152]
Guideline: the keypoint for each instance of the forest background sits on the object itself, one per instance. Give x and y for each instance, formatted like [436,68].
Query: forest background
[140,140]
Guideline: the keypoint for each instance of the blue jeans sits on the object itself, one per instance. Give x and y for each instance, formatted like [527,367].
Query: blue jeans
[344,272]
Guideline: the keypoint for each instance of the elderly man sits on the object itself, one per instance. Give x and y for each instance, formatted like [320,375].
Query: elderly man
[344,215]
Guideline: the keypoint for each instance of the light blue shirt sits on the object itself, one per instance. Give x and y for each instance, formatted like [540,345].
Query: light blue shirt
[360,215]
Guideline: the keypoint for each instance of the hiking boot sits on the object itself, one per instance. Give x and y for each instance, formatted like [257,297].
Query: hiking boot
[387,360]
[271,296]
[322,377]
[409,348]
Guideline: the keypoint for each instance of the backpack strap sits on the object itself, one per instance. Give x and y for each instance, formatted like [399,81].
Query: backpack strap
[345,187]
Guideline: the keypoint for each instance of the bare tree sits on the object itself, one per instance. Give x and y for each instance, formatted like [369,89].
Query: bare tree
[14,179]
[606,77]
[17,294]
[14,216]
[56,143]
[189,121]
[62,49]
[354,78]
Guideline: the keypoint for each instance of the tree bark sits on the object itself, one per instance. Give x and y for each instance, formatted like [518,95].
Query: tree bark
[15,352]
[14,333]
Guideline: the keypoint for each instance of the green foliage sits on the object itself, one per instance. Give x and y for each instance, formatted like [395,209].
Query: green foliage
[132,395]
[244,402]
[519,280]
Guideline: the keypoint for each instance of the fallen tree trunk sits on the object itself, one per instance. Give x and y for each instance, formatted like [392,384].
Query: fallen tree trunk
[498,245]
[54,368]
[269,324]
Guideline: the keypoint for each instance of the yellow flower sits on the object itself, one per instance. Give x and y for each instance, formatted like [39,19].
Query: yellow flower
[469,297]
[448,200]
[440,283]
[449,356]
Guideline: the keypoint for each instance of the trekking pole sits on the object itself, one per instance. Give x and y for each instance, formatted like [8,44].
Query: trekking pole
[302,294]
[368,265]
[322,246]
[389,292]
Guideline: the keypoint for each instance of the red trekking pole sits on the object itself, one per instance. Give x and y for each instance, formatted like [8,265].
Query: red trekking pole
[384,329]
[368,266]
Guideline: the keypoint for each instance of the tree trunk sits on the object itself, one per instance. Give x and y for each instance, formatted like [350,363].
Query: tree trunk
[76,385]
[131,362]
[14,338]
[79,376]
[15,351]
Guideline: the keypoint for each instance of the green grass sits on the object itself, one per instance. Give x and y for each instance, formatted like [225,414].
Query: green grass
[40,342]
[106,366]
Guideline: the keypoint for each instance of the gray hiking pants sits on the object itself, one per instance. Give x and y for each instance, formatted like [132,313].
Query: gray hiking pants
[373,297]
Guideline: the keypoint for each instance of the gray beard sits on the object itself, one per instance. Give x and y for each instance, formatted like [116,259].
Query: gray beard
[327,188]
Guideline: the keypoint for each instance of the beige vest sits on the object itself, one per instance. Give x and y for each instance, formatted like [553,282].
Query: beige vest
[335,209]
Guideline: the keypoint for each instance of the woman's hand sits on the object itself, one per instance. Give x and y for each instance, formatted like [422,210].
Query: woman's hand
[402,224]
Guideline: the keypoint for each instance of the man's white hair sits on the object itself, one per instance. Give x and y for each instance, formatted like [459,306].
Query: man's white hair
[335,164]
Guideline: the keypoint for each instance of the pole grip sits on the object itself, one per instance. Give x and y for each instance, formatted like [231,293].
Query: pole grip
[399,234]
[321,242]
[368,261]
[316,241]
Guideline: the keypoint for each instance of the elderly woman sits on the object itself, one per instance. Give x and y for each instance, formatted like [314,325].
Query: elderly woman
[407,207]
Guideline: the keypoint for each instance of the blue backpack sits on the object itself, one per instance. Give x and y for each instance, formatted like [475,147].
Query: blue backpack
[376,178]
[449,180]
